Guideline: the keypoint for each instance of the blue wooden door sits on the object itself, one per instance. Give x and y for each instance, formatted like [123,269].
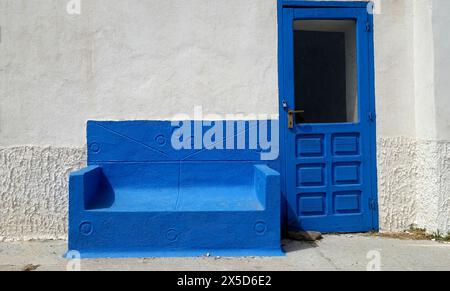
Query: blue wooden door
[329,128]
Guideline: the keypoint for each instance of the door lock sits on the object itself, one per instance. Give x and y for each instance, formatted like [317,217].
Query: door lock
[291,114]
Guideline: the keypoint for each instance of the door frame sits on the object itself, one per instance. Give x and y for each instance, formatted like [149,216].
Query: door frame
[282,4]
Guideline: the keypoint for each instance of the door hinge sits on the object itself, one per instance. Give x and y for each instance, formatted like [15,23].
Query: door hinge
[372,204]
[371,117]
[368,26]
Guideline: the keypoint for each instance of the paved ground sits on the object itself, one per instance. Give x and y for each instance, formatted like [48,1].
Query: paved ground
[334,252]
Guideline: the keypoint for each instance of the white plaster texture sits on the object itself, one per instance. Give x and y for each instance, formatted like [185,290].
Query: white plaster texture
[413,182]
[33,191]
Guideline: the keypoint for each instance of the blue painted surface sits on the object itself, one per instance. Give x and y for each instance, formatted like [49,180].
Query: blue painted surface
[323,4]
[141,198]
[329,170]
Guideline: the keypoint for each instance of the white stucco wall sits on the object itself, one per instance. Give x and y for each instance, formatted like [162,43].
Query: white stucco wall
[413,110]
[153,59]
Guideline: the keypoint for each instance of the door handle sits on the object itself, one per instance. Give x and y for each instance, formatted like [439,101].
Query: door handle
[291,114]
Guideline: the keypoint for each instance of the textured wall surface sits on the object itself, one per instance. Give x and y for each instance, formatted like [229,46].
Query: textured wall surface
[413,184]
[396,183]
[33,191]
[414,179]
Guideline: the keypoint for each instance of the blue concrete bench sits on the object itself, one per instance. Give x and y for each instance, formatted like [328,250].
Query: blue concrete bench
[139,197]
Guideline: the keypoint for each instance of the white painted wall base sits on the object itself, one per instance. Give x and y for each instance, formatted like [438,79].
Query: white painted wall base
[34,191]
[414,187]
[414,184]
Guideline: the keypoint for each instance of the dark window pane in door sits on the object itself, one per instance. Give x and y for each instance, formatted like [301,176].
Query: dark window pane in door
[325,71]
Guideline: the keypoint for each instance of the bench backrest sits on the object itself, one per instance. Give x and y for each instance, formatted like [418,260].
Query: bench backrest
[151,141]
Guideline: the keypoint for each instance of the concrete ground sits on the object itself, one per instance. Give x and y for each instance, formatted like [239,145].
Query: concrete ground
[334,252]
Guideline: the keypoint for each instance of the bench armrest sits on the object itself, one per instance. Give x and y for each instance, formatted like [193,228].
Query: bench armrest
[83,186]
[267,187]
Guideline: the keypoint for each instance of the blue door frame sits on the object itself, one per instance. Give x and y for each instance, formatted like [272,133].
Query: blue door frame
[364,132]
